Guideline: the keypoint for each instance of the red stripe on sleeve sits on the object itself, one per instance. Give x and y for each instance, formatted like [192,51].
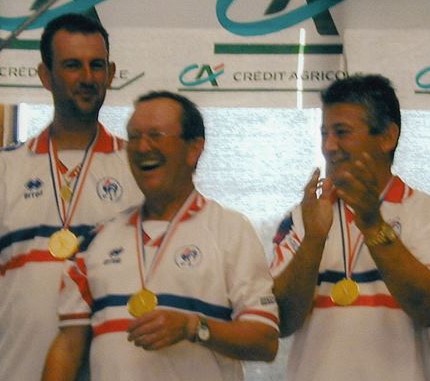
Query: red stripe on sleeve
[120,325]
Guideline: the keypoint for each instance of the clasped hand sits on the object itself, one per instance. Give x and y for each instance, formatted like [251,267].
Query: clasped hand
[158,329]
[355,183]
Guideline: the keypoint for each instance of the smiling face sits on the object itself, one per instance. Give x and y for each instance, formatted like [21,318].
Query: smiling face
[345,136]
[161,161]
[80,74]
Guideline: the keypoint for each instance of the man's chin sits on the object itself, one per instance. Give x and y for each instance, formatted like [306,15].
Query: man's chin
[89,116]
[88,112]
[88,106]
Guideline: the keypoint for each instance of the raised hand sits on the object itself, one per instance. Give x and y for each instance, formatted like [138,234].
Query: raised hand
[317,206]
[357,186]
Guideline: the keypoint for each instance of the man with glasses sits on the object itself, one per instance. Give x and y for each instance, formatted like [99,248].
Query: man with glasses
[176,289]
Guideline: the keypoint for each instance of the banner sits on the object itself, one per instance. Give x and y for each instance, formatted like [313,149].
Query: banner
[401,55]
[263,53]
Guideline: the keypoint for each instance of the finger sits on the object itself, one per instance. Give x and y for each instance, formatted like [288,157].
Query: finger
[156,340]
[312,185]
[145,319]
[141,330]
[361,177]
[326,189]
[145,340]
[364,167]
[348,187]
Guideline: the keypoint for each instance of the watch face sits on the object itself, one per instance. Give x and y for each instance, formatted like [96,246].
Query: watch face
[385,236]
[203,332]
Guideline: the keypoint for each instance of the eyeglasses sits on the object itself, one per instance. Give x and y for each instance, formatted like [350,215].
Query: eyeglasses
[153,136]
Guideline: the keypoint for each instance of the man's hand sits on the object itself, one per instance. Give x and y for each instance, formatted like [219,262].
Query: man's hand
[358,187]
[161,328]
[317,206]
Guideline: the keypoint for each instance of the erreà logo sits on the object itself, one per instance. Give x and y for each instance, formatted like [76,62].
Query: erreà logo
[194,75]
[315,9]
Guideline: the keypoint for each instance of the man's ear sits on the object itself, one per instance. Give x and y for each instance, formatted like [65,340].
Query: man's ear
[389,138]
[112,70]
[195,150]
[45,76]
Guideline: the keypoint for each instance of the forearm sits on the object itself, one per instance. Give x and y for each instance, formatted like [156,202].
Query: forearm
[407,279]
[294,289]
[65,355]
[243,340]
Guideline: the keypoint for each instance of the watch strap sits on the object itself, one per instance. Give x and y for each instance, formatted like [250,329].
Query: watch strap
[384,236]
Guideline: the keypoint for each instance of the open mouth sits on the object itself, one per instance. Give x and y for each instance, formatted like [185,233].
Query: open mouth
[149,164]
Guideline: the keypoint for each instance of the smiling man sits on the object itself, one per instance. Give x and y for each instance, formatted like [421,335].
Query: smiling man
[176,289]
[54,189]
[351,262]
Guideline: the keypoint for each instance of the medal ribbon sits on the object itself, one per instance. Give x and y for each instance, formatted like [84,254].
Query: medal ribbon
[354,247]
[66,210]
[192,205]
[68,176]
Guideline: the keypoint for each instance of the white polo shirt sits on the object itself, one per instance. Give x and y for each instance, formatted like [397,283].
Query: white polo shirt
[211,263]
[29,275]
[372,339]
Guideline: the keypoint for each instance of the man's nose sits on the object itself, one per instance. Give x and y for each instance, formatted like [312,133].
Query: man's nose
[87,74]
[144,143]
[330,142]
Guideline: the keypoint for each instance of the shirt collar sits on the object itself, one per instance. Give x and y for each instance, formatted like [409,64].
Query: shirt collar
[193,205]
[106,142]
[398,191]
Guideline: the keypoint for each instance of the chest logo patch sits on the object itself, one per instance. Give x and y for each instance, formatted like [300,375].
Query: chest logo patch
[188,256]
[33,188]
[109,189]
[114,256]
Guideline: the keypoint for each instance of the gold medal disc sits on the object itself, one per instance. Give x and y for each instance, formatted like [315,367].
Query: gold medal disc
[344,292]
[66,193]
[63,244]
[142,302]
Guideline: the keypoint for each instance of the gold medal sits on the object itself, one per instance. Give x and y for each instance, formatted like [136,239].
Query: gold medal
[66,193]
[344,292]
[142,302]
[63,244]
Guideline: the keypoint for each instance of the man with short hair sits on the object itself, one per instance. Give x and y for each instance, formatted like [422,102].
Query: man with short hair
[54,189]
[176,289]
[351,262]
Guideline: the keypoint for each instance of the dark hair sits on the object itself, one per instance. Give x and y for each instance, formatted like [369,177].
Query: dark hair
[71,22]
[373,91]
[192,120]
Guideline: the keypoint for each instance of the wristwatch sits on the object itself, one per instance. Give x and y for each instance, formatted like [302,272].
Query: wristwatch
[385,236]
[203,334]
